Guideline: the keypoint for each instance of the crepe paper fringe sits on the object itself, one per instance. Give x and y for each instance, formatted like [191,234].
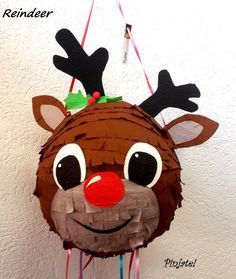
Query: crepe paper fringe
[69,253]
[121,111]
[121,264]
[107,146]
[83,40]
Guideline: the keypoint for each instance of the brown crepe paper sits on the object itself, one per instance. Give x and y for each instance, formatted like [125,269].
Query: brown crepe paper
[105,132]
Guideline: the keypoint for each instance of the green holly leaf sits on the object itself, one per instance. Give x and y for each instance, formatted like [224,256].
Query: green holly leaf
[113,99]
[102,99]
[76,100]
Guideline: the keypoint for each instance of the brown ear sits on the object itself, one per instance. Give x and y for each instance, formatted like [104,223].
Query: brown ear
[48,112]
[189,130]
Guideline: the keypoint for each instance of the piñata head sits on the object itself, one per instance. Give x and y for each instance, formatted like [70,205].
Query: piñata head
[108,179]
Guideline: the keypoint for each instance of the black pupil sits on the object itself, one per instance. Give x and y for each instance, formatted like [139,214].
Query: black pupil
[68,172]
[142,168]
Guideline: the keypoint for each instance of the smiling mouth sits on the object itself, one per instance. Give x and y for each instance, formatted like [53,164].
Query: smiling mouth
[105,231]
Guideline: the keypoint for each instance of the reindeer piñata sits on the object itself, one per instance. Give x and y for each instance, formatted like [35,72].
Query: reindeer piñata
[108,179]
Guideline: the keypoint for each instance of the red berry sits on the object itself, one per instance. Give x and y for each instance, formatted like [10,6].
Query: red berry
[91,101]
[96,95]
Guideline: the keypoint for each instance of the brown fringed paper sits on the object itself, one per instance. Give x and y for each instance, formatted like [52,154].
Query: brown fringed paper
[108,178]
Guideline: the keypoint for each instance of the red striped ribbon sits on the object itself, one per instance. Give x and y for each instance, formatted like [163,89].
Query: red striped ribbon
[134,257]
[130,263]
[69,253]
[88,262]
[137,264]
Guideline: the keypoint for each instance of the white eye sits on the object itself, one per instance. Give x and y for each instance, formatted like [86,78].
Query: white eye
[143,164]
[69,167]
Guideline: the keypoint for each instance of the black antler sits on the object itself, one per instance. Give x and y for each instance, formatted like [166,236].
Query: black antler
[169,95]
[87,69]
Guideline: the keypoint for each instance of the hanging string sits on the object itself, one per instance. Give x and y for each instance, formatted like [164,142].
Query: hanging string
[130,264]
[121,263]
[83,40]
[137,264]
[81,265]
[88,262]
[69,253]
[135,47]
[137,54]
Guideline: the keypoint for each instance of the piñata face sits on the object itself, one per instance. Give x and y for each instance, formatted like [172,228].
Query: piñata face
[100,176]
[109,178]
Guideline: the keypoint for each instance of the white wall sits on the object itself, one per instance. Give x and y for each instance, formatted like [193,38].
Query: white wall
[195,41]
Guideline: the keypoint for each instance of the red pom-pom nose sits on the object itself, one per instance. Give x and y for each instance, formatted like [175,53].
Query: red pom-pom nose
[104,189]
